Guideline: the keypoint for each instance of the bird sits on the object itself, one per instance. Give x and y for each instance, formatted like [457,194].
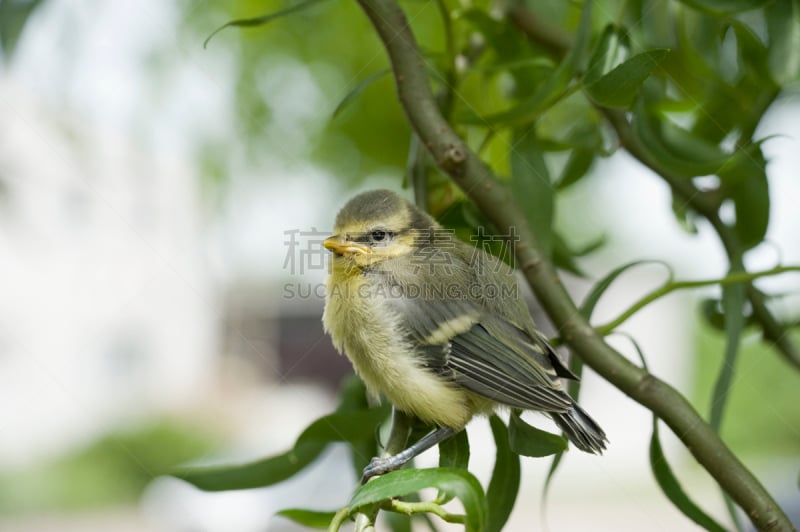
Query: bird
[438,327]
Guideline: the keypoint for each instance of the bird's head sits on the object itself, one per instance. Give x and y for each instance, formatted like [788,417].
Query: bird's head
[376,226]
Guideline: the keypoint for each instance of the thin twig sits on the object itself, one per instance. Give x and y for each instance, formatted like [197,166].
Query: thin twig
[734,278]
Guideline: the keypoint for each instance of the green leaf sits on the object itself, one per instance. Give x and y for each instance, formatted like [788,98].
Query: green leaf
[358,89]
[344,426]
[530,183]
[612,49]
[263,19]
[783,28]
[725,7]
[665,477]
[504,484]
[553,89]
[308,518]
[578,164]
[683,214]
[256,474]
[587,307]
[618,88]
[530,441]
[681,152]
[14,16]
[352,397]
[353,427]
[498,34]
[744,180]
[733,299]
[456,482]
[564,254]
[753,55]
[454,451]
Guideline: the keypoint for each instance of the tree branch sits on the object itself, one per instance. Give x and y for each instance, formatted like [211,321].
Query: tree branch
[496,201]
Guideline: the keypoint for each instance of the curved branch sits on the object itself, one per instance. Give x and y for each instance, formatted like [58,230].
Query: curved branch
[496,201]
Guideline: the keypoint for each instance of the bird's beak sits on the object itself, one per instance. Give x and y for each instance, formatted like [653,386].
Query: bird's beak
[341,246]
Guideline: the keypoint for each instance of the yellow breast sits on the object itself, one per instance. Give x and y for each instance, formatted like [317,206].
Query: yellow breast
[369,332]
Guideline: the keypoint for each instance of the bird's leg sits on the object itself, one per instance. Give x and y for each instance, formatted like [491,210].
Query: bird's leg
[379,466]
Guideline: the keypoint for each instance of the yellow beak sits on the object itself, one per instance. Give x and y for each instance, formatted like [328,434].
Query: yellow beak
[339,245]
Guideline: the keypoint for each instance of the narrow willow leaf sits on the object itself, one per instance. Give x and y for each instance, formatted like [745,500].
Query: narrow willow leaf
[673,490]
[783,25]
[504,484]
[308,518]
[355,426]
[663,472]
[733,298]
[589,303]
[564,254]
[578,164]
[530,183]
[676,149]
[683,214]
[744,180]
[457,482]
[358,89]
[611,50]
[618,89]
[352,426]
[530,441]
[352,397]
[256,474]
[496,32]
[263,19]
[753,55]
[692,148]
[454,451]
[564,257]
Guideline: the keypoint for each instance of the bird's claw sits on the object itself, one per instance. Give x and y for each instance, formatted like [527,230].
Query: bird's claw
[378,466]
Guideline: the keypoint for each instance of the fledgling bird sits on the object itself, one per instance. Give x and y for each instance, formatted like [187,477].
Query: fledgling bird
[438,326]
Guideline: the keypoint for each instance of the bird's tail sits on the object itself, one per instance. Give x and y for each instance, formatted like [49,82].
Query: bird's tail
[581,430]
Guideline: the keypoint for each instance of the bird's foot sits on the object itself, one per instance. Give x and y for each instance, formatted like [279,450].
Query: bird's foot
[380,466]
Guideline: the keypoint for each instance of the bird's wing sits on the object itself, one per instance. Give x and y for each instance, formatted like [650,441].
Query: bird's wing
[505,367]
[486,354]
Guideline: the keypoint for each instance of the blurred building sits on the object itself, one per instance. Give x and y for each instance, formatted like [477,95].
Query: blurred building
[107,312]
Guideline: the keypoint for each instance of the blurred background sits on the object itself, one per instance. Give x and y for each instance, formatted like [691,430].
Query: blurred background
[162,206]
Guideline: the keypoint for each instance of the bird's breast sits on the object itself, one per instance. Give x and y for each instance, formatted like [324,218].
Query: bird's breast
[368,329]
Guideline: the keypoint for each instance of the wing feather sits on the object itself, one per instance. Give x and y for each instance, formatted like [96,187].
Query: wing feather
[483,350]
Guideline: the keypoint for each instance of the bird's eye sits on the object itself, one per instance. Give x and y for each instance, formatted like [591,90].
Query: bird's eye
[380,235]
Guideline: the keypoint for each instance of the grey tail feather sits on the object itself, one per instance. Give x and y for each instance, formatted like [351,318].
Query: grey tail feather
[581,430]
